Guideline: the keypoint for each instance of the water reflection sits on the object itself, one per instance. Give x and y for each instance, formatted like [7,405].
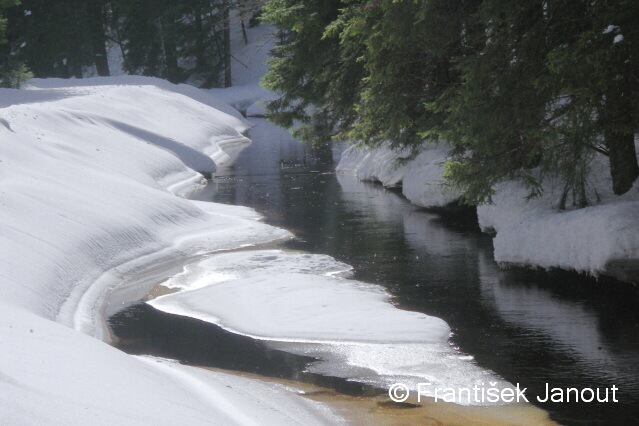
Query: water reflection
[528,327]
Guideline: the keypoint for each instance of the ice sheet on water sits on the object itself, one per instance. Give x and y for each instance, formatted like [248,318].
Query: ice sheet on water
[232,266]
[435,366]
[299,307]
[291,301]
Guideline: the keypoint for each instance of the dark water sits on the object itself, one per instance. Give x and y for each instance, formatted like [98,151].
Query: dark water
[529,327]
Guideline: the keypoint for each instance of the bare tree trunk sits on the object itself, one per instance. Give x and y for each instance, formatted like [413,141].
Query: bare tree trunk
[227,43]
[200,50]
[244,35]
[170,50]
[623,161]
[96,17]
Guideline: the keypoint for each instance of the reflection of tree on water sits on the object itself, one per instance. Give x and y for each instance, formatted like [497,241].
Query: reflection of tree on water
[143,330]
[448,271]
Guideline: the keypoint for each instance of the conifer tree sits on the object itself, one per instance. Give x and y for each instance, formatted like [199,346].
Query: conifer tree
[319,77]
[97,25]
[408,53]
[548,88]
[174,40]
[52,38]
[527,90]
[5,4]
[597,76]
[12,72]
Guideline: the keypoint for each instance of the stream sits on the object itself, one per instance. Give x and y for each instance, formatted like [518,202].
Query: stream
[528,327]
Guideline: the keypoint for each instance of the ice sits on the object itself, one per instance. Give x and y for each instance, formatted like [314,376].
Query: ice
[383,364]
[232,266]
[294,303]
[304,308]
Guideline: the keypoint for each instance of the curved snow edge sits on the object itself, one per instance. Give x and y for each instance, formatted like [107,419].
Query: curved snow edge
[419,178]
[87,201]
[602,239]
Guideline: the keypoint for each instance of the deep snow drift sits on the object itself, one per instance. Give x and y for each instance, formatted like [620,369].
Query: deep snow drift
[600,239]
[89,172]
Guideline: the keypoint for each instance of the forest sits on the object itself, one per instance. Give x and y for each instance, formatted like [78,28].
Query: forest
[178,41]
[527,90]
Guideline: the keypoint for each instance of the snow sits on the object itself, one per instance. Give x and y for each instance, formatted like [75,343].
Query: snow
[297,303]
[422,182]
[600,239]
[90,177]
[248,67]
[610,28]
[53,375]
[244,264]
[249,60]
[374,165]
[304,308]
[586,240]
[419,178]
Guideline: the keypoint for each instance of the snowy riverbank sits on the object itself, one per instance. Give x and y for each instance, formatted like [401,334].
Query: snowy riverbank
[600,239]
[89,175]
[91,178]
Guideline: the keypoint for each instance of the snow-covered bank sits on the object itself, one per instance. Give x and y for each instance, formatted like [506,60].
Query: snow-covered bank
[419,178]
[600,239]
[88,175]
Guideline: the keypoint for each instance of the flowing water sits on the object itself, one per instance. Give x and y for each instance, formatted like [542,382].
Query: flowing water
[528,327]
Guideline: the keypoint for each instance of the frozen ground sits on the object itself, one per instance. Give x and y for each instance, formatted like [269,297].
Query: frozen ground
[90,173]
[600,239]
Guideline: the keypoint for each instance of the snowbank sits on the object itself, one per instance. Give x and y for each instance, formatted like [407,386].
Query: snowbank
[88,176]
[600,239]
[419,178]
[374,165]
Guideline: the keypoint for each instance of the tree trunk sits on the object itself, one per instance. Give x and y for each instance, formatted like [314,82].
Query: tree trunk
[244,35]
[200,50]
[170,51]
[623,161]
[227,44]
[95,13]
